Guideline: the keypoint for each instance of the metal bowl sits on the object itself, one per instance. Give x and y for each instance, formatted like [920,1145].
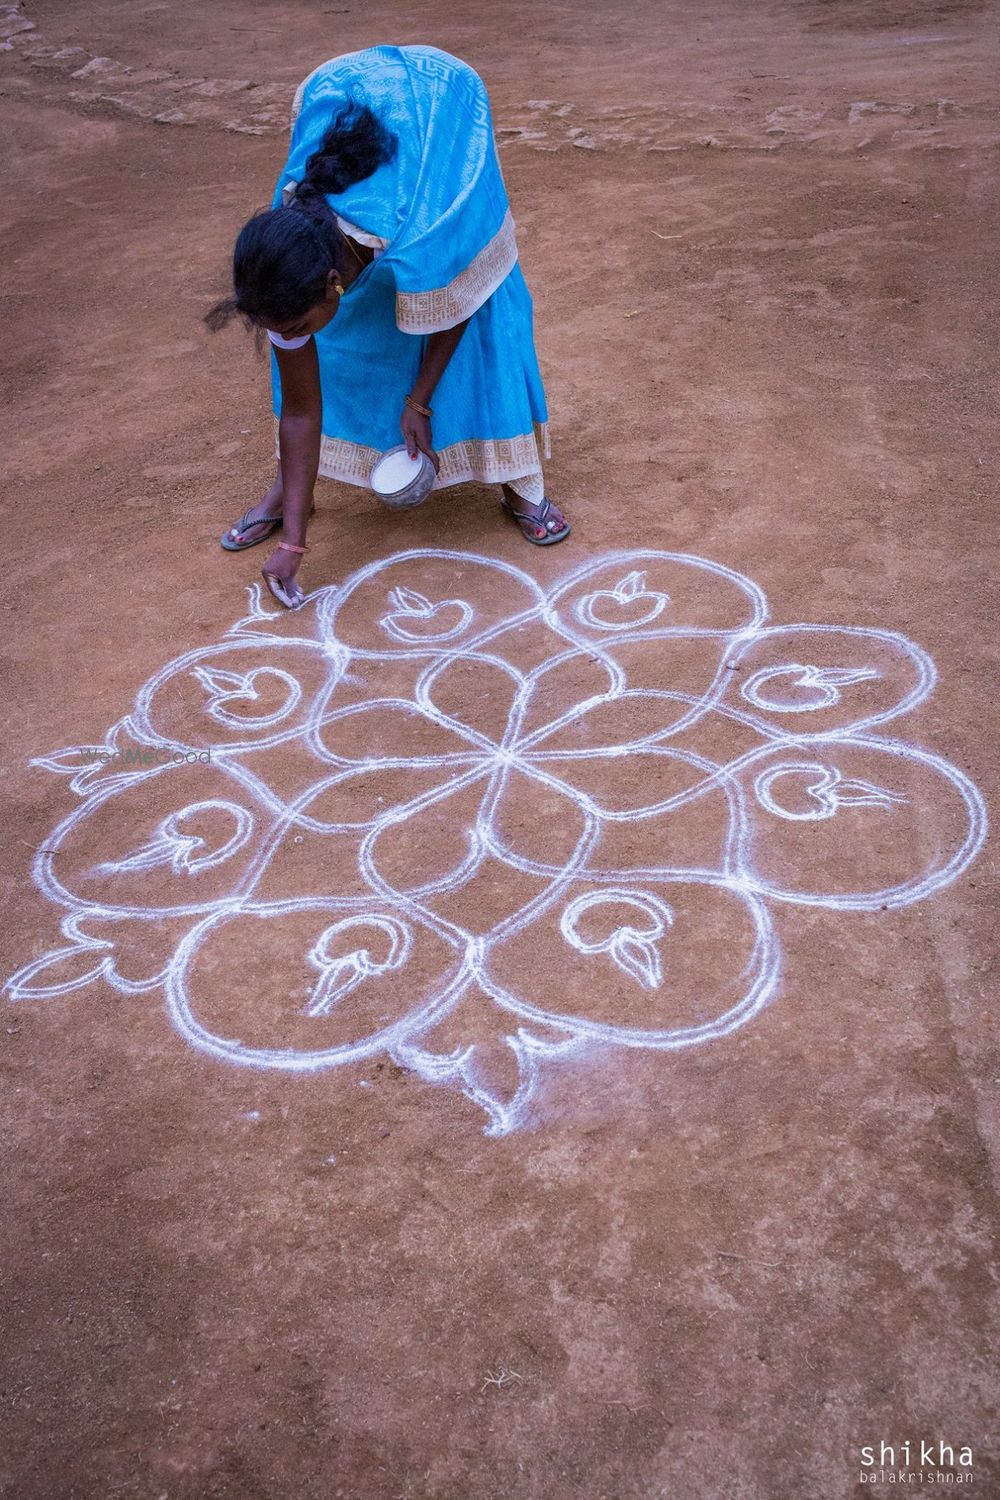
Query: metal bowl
[415,490]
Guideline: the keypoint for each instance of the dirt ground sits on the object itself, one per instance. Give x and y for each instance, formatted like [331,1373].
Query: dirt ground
[762,245]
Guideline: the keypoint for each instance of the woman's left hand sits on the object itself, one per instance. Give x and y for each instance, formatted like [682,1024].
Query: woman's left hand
[416,430]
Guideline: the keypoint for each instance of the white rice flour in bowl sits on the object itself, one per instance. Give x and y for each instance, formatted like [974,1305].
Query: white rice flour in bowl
[399,480]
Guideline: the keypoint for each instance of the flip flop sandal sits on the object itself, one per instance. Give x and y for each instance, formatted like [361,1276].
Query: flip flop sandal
[231,538]
[540,520]
[285,590]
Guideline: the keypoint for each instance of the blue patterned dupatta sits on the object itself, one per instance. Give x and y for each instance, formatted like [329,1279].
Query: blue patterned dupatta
[439,214]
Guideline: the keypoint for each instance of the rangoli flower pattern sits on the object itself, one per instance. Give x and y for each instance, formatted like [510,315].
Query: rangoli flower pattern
[444,814]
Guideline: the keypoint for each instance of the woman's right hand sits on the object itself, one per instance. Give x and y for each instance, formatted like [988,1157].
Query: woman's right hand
[281,568]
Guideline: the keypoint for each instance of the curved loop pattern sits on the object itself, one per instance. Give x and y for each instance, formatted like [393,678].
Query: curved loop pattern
[439,794]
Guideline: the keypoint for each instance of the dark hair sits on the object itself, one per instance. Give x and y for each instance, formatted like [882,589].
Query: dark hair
[283,256]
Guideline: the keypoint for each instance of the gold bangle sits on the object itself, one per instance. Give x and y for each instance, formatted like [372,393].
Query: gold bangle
[425,411]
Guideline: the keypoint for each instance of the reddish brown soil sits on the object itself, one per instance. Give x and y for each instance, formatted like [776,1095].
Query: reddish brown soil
[762,243]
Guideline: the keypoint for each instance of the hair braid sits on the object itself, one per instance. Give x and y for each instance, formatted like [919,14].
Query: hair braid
[283,256]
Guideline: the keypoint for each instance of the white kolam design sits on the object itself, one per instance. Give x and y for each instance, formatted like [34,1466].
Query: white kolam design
[447,816]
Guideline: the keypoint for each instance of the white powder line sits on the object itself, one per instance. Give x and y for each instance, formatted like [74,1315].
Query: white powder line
[359,709]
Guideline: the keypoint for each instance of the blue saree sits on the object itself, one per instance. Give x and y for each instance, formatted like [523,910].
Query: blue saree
[438,219]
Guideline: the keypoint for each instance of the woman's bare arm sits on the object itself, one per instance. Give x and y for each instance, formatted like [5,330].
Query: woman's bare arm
[440,348]
[299,431]
[416,428]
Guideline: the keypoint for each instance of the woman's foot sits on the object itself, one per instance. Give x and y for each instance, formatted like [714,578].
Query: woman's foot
[540,521]
[256,524]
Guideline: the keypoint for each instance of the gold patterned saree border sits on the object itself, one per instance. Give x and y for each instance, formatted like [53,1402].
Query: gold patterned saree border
[444,306]
[473,461]
[299,92]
